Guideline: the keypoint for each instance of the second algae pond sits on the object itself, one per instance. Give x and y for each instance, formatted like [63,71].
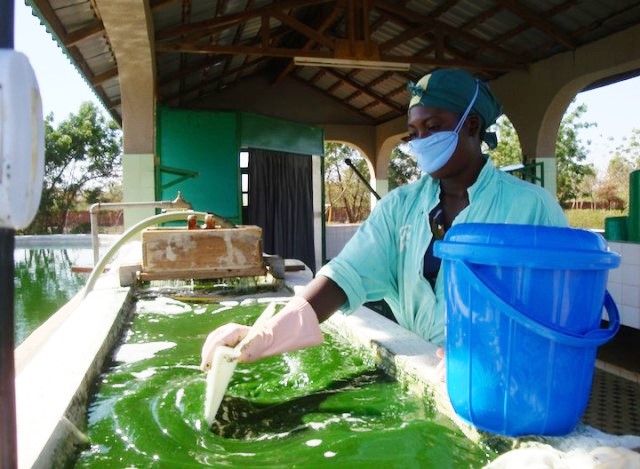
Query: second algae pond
[327,406]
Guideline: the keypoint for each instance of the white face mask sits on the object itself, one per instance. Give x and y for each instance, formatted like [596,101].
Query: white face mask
[434,151]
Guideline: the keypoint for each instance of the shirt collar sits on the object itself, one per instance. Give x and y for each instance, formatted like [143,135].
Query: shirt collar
[486,178]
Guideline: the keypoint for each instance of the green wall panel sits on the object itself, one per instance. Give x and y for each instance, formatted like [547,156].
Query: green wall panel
[270,133]
[205,142]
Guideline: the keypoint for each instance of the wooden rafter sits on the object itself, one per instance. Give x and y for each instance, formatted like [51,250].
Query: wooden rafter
[290,53]
[99,79]
[206,26]
[524,26]
[441,9]
[186,19]
[202,85]
[405,36]
[409,17]
[326,23]
[305,30]
[364,90]
[236,38]
[191,69]
[81,34]
[539,22]
[332,97]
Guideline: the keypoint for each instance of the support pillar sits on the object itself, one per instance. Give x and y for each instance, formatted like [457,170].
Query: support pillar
[129,26]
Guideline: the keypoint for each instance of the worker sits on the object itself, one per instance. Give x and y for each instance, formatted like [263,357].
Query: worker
[391,257]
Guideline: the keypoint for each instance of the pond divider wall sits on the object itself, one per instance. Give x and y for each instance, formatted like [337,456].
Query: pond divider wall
[57,370]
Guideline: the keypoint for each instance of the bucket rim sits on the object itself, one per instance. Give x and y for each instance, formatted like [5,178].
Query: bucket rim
[518,256]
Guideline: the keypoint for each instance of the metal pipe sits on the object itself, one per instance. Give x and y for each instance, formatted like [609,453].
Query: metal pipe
[8,439]
[177,203]
[127,235]
[362,178]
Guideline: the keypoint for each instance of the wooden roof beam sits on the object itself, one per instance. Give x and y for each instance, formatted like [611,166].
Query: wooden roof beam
[51,18]
[364,90]
[186,71]
[337,100]
[524,26]
[204,27]
[324,25]
[305,30]
[405,36]
[446,6]
[201,85]
[189,48]
[406,16]
[540,23]
[99,79]
[81,34]
[264,37]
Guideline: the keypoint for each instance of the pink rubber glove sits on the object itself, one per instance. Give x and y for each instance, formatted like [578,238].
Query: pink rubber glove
[295,327]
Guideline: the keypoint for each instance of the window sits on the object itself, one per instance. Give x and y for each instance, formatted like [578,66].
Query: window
[244,177]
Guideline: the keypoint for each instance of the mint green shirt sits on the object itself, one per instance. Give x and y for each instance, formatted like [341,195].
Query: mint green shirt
[384,258]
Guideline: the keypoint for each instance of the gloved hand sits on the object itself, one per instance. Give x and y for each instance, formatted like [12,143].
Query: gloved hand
[295,327]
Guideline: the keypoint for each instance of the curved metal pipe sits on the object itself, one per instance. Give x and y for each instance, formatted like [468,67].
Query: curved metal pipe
[177,203]
[127,235]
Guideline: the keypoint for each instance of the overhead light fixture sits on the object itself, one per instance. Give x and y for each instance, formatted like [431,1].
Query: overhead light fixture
[351,63]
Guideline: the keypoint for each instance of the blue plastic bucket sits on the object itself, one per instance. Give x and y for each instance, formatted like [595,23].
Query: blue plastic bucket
[524,305]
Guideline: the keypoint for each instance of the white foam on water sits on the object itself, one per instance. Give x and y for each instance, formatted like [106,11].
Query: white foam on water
[229,303]
[163,305]
[144,374]
[129,353]
[313,443]
[179,396]
[219,310]
[585,448]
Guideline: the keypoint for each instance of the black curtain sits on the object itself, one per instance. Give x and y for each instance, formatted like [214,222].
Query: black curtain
[281,203]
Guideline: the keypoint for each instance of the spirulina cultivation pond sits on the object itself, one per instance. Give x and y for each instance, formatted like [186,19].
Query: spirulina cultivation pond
[44,278]
[326,406]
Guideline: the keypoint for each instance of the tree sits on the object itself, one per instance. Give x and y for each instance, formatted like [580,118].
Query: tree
[570,153]
[403,168]
[508,151]
[82,152]
[344,190]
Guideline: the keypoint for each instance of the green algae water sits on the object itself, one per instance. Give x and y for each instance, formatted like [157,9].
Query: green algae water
[327,406]
[44,282]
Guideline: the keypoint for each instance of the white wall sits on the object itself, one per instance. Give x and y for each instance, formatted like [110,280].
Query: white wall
[337,236]
[624,282]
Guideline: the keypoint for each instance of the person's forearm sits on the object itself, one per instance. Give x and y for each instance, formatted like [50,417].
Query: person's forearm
[324,296]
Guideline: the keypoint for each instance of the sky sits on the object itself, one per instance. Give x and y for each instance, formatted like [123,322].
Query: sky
[63,89]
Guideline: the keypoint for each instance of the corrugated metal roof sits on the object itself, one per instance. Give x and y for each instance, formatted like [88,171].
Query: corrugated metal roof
[489,38]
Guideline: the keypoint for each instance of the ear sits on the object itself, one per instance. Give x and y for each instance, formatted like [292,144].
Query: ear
[474,123]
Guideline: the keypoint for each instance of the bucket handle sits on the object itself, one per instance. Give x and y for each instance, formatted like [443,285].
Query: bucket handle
[593,338]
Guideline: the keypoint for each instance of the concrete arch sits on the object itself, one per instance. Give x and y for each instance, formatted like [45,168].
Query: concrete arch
[361,137]
[367,159]
[536,100]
